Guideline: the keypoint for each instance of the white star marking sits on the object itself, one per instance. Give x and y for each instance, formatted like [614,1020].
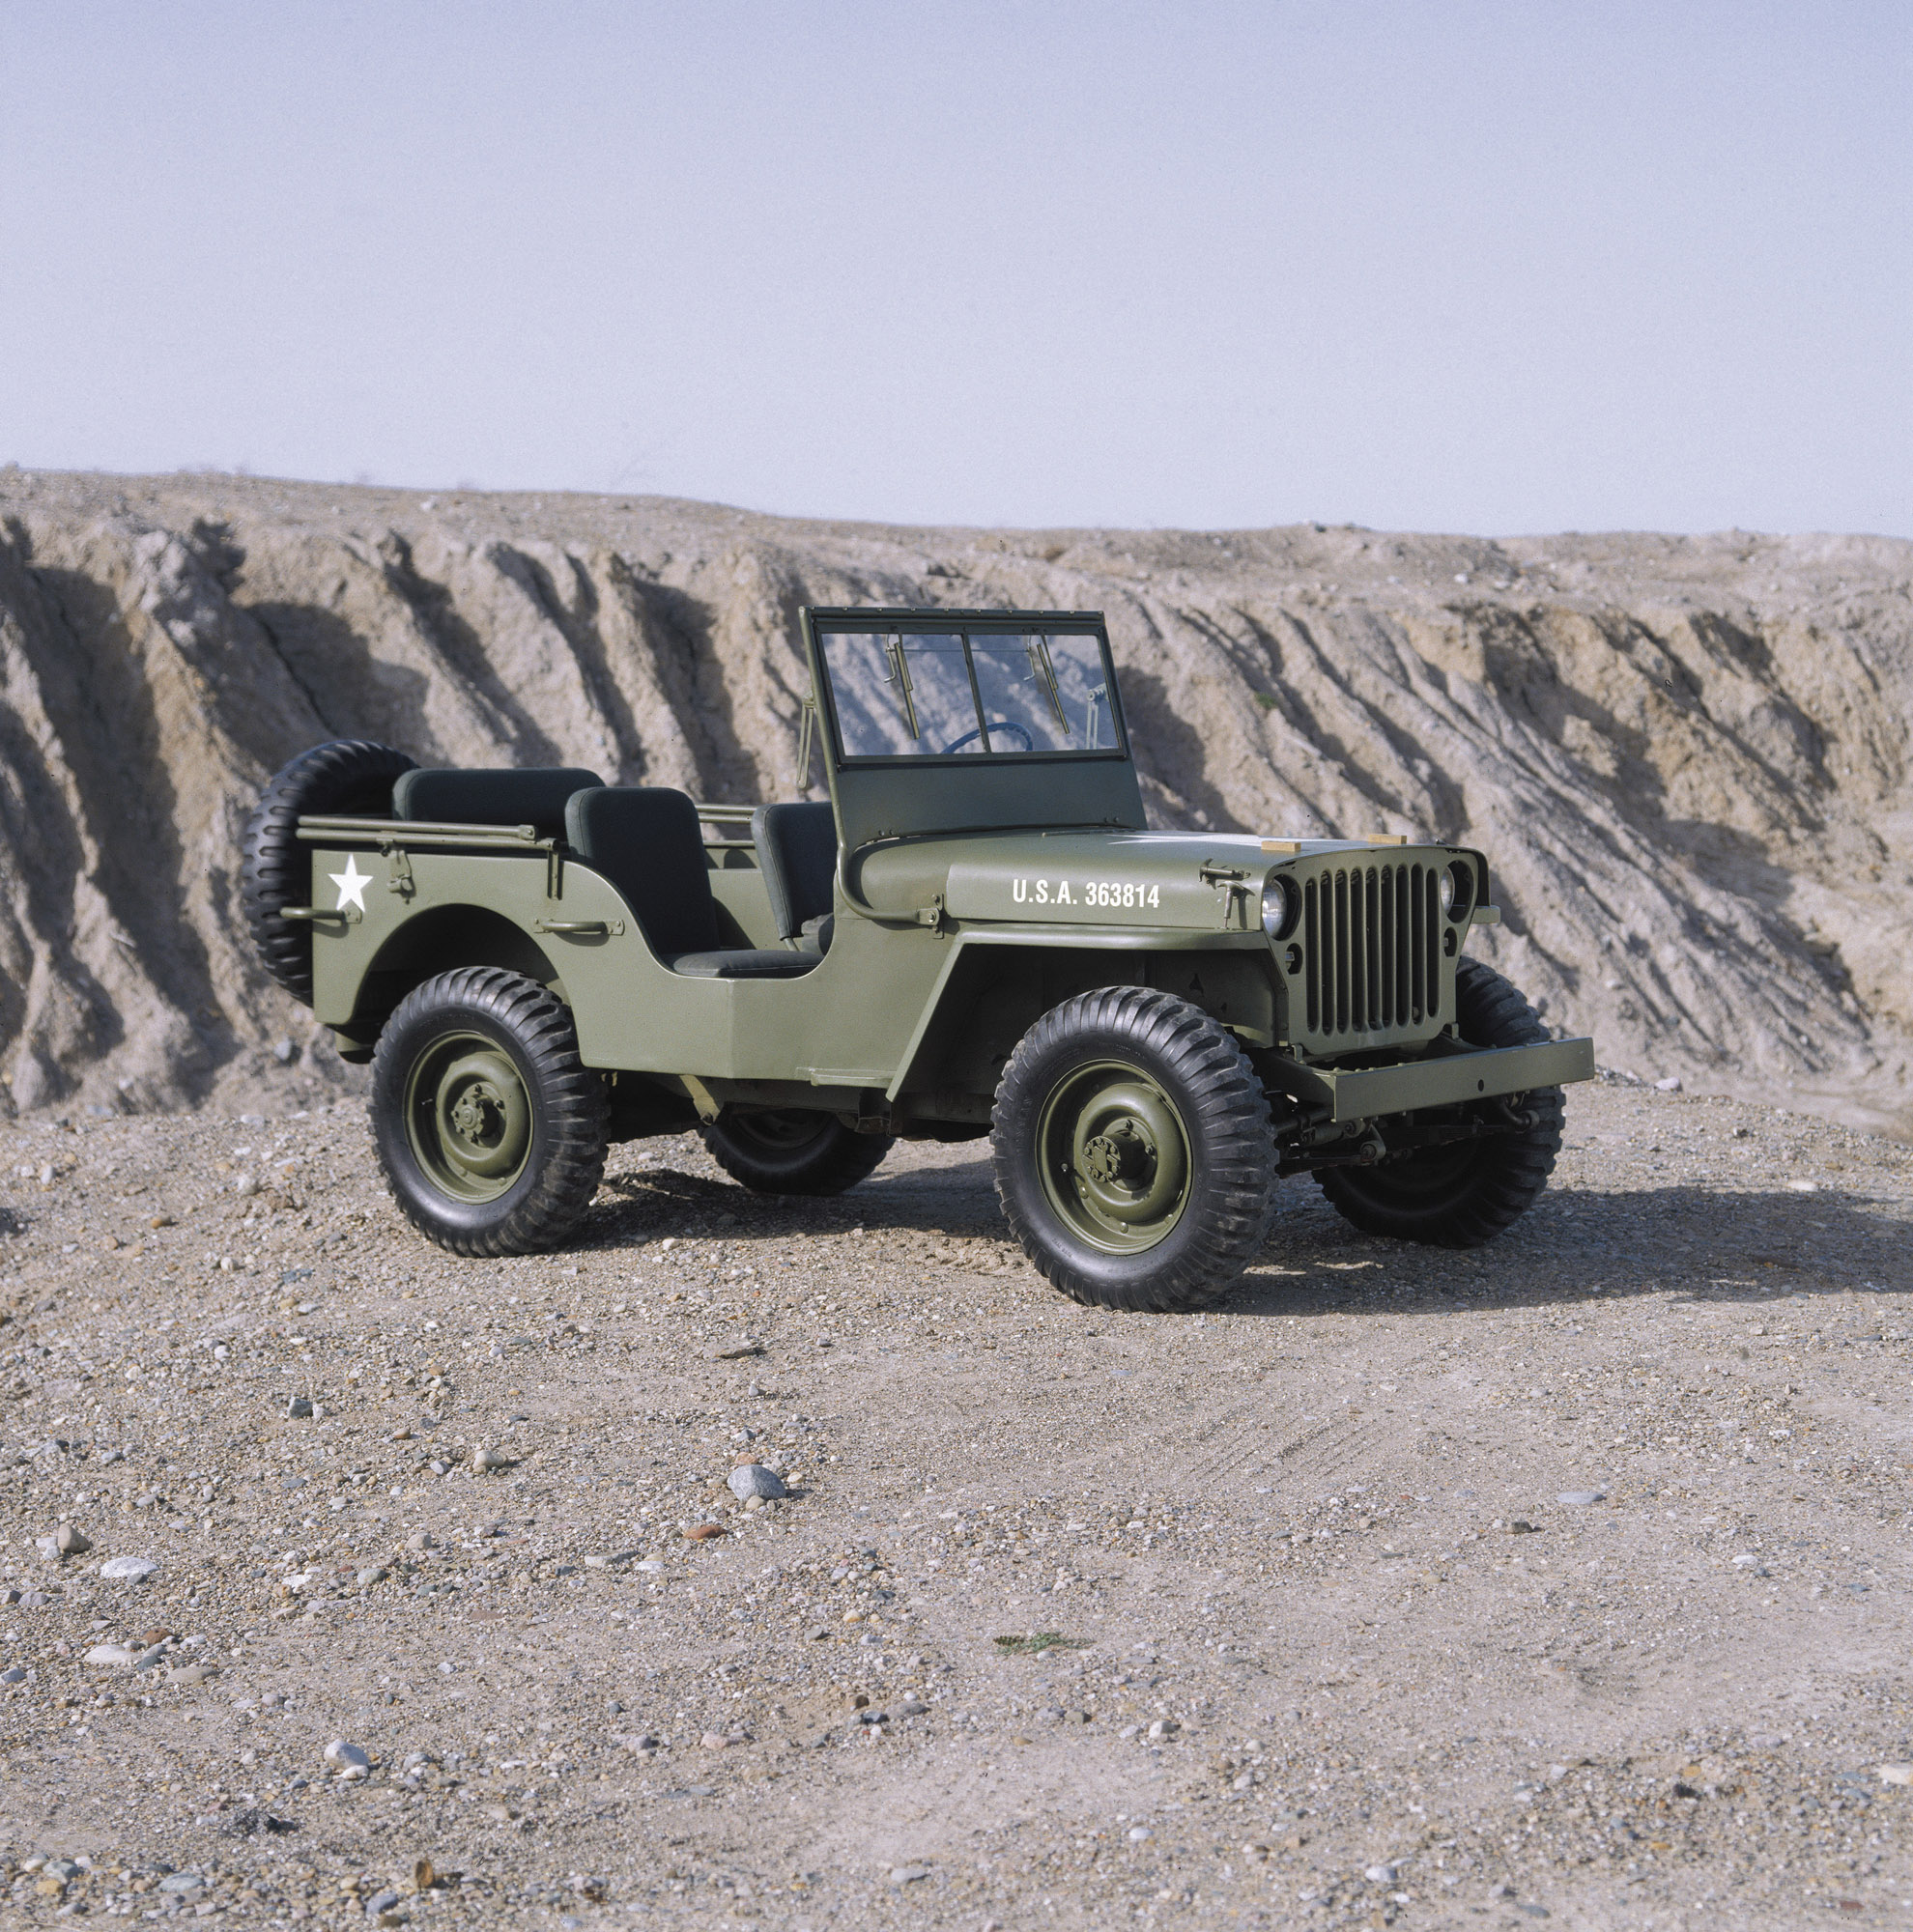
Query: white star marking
[352,884]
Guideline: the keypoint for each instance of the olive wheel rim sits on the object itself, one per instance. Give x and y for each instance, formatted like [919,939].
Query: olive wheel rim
[1114,1157]
[467,1117]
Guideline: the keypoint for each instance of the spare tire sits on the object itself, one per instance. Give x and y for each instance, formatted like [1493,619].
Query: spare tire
[350,777]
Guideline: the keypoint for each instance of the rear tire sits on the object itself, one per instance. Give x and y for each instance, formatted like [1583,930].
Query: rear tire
[348,777]
[1133,1152]
[1464,1195]
[793,1151]
[490,1129]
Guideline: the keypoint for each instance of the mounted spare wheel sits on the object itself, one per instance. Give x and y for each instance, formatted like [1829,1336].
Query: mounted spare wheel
[490,1129]
[1134,1152]
[349,778]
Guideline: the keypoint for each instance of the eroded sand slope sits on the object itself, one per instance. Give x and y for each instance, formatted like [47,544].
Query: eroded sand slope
[1687,757]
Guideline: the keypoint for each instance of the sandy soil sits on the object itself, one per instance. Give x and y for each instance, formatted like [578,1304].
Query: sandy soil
[1336,1648]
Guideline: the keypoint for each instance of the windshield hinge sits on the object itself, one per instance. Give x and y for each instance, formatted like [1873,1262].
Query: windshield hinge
[932,915]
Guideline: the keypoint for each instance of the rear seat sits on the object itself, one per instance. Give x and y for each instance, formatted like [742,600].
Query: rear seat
[468,795]
[644,839]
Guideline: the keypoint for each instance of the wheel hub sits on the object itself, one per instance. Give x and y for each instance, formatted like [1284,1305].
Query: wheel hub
[468,1117]
[1115,1156]
[478,1113]
[1121,1152]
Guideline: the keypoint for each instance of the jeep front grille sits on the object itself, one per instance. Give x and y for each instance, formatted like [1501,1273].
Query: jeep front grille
[1371,949]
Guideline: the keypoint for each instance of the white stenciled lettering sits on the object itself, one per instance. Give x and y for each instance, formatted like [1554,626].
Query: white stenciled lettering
[1042,891]
[1063,896]
[1020,890]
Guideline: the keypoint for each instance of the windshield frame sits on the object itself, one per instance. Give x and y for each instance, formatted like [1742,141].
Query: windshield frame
[886,624]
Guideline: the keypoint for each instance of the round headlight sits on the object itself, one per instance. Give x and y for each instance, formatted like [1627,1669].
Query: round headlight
[1457,890]
[1281,905]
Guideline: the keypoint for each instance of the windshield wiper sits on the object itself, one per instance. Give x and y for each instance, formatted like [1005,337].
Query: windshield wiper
[1039,662]
[901,679]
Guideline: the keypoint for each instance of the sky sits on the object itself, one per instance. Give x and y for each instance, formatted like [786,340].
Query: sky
[1495,268]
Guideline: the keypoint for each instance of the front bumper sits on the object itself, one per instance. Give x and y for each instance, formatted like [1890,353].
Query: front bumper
[1449,1075]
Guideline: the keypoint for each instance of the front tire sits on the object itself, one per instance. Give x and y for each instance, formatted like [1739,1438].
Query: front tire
[792,1151]
[1133,1152]
[491,1130]
[1463,1195]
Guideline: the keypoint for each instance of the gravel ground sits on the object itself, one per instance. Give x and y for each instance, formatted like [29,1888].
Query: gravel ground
[1563,1581]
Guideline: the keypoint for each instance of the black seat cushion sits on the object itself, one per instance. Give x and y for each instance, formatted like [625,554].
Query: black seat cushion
[742,964]
[468,795]
[644,839]
[797,849]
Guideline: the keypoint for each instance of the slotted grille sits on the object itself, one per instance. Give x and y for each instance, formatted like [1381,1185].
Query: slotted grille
[1371,949]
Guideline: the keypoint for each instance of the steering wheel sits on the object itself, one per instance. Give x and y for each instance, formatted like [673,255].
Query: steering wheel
[958,744]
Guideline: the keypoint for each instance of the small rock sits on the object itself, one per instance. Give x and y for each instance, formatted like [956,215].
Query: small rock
[714,1741]
[1670,1085]
[178,1883]
[1803,1186]
[300,1408]
[909,1874]
[151,1659]
[16,1675]
[752,1479]
[1380,1874]
[704,1532]
[128,1569]
[1164,1728]
[109,1656]
[193,1673]
[347,1757]
[283,1051]
[1138,1833]
[484,1459]
[49,1547]
[373,1573]
[1580,1498]
[73,1541]
[911,1707]
[1890,1774]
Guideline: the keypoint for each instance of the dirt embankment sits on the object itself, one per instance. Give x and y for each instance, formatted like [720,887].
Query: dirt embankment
[1686,756]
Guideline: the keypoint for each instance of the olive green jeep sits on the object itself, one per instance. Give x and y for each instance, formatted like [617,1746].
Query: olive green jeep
[975,936]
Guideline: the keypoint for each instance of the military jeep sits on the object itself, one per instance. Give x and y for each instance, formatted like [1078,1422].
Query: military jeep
[976,936]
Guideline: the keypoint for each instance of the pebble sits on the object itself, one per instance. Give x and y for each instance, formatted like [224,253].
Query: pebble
[1380,1874]
[909,1874]
[1890,1774]
[109,1656]
[300,1408]
[16,1675]
[180,1882]
[1163,1727]
[752,1479]
[347,1757]
[73,1541]
[1580,1498]
[483,1460]
[128,1569]
[373,1573]
[1670,1085]
[704,1532]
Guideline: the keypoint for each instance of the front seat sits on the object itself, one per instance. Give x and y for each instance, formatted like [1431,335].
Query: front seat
[644,841]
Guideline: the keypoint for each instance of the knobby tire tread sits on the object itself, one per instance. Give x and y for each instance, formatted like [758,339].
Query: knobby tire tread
[1232,1150]
[840,1163]
[349,776]
[1509,1171]
[570,1107]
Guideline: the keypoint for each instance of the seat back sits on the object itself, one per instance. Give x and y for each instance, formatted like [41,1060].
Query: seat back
[644,839]
[797,849]
[465,795]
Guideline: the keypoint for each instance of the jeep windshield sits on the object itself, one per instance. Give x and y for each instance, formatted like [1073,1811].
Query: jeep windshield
[973,692]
